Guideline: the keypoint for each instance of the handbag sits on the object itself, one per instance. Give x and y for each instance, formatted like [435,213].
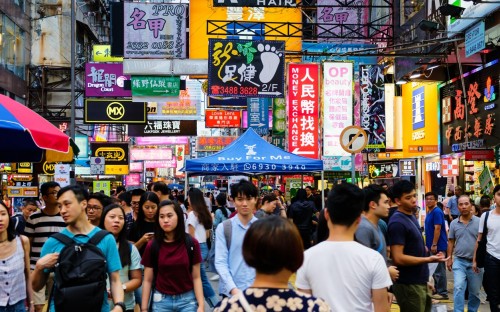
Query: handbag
[481,245]
[244,303]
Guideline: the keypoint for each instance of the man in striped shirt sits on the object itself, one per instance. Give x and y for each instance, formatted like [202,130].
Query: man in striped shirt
[39,227]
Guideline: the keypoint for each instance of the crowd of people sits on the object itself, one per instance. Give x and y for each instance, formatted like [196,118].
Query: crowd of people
[364,250]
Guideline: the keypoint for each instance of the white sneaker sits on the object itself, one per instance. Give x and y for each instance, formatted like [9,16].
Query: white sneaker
[214,278]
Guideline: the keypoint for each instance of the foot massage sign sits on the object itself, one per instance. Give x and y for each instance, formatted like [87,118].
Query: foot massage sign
[243,68]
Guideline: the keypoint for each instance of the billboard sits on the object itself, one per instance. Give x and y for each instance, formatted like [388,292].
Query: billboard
[372,98]
[105,80]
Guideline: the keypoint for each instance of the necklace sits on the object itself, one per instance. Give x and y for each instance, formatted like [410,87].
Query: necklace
[3,241]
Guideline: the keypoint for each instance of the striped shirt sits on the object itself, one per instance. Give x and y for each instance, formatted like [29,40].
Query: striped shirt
[39,227]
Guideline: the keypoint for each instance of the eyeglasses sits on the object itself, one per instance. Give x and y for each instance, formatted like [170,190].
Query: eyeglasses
[95,208]
[134,203]
[52,193]
[430,199]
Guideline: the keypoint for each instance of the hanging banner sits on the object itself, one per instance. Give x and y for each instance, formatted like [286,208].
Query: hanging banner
[105,80]
[337,105]
[373,106]
[303,109]
[222,119]
[246,68]
[258,114]
[154,30]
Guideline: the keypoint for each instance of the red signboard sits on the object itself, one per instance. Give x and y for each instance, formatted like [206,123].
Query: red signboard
[479,155]
[222,119]
[303,108]
[214,143]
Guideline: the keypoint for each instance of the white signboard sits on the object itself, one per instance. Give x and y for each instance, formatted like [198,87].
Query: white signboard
[61,174]
[155,30]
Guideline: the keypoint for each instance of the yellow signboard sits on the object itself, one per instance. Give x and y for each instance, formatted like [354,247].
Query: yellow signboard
[202,11]
[419,135]
[116,169]
[102,53]
[22,191]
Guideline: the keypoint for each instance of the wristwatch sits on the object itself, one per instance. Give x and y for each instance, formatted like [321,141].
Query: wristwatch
[121,305]
[124,287]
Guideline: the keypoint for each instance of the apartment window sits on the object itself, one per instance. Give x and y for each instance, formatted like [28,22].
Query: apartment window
[12,41]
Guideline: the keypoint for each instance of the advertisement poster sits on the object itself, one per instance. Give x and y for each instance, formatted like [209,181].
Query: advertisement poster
[243,68]
[373,106]
[105,80]
[155,30]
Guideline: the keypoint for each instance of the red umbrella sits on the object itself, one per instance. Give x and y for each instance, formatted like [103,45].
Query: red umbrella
[25,135]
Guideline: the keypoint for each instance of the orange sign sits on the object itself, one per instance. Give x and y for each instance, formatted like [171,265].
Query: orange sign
[222,119]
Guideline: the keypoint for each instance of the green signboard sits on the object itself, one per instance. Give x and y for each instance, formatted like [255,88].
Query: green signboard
[486,181]
[155,86]
[279,116]
[104,186]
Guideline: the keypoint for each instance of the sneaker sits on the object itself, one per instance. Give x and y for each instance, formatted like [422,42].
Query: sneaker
[214,278]
[440,297]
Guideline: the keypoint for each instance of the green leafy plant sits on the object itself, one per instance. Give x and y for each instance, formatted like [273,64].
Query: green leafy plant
[247,50]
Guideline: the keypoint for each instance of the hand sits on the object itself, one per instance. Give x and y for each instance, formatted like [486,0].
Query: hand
[474,267]
[200,309]
[48,261]
[147,237]
[31,307]
[439,257]
[434,249]
[393,272]
[449,264]
[234,291]
[390,297]
[117,309]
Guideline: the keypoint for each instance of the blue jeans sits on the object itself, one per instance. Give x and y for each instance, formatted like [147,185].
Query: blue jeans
[16,307]
[208,291]
[492,270]
[185,302]
[440,279]
[463,276]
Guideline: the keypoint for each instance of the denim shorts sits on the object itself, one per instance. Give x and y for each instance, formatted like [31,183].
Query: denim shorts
[16,307]
[185,302]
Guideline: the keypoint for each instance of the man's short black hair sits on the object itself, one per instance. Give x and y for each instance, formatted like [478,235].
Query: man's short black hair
[161,187]
[244,187]
[345,204]
[120,189]
[431,194]
[104,199]
[137,192]
[126,197]
[401,187]
[372,192]
[48,185]
[80,193]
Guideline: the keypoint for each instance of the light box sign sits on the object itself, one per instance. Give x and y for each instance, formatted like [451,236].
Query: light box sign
[214,143]
[186,106]
[373,106]
[337,21]
[222,119]
[243,68]
[338,105]
[162,140]
[255,3]
[102,53]
[155,86]
[154,30]
[151,154]
[279,116]
[164,128]
[383,170]
[244,119]
[114,111]
[160,163]
[474,39]
[258,115]
[133,179]
[136,166]
[303,109]
[105,80]
[408,168]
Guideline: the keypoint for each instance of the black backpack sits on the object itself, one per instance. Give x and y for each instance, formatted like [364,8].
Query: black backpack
[80,275]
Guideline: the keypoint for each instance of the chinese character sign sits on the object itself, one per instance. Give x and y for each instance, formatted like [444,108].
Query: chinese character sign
[222,119]
[337,105]
[155,30]
[245,68]
[258,115]
[303,108]
[338,21]
[373,106]
[105,80]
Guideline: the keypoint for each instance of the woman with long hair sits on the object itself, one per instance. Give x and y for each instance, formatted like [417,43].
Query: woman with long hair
[15,267]
[172,279]
[274,263]
[113,221]
[143,228]
[199,223]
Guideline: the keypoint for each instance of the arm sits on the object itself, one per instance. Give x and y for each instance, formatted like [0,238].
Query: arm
[437,232]
[474,263]
[198,288]
[191,230]
[29,289]
[135,280]
[146,288]
[116,289]
[39,276]
[305,291]
[380,302]
[406,260]
[222,260]
[143,240]
[451,247]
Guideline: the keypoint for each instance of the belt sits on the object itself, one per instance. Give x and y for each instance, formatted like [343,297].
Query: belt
[466,259]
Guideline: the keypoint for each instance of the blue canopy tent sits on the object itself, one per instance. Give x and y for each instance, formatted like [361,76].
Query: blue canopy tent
[252,155]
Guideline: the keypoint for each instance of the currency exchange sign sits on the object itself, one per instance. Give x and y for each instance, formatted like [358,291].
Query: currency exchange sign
[243,68]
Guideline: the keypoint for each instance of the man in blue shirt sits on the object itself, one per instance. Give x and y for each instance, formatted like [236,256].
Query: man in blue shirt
[73,201]
[235,274]
[453,203]
[436,241]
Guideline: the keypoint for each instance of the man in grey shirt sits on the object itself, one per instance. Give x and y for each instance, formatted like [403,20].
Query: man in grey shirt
[462,238]
[369,232]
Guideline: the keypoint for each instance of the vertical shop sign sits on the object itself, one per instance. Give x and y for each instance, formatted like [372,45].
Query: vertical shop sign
[338,105]
[373,106]
[303,95]
[155,30]
[279,116]
[258,115]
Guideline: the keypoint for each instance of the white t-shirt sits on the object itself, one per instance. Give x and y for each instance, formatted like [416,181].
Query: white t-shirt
[493,244]
[199,229]
[343,274]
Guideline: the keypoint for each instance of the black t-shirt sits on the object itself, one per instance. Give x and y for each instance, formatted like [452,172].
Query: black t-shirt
[302,212]
[404,230]
[19,223]
[136,233]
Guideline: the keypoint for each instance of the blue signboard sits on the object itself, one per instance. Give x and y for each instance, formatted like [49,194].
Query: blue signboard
[418,115]
[258,114]
[335,48]
[474,39]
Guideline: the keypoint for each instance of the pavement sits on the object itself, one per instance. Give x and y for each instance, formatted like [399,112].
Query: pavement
[441,306]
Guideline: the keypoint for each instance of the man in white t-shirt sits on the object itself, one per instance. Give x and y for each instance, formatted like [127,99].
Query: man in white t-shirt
[348,275]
